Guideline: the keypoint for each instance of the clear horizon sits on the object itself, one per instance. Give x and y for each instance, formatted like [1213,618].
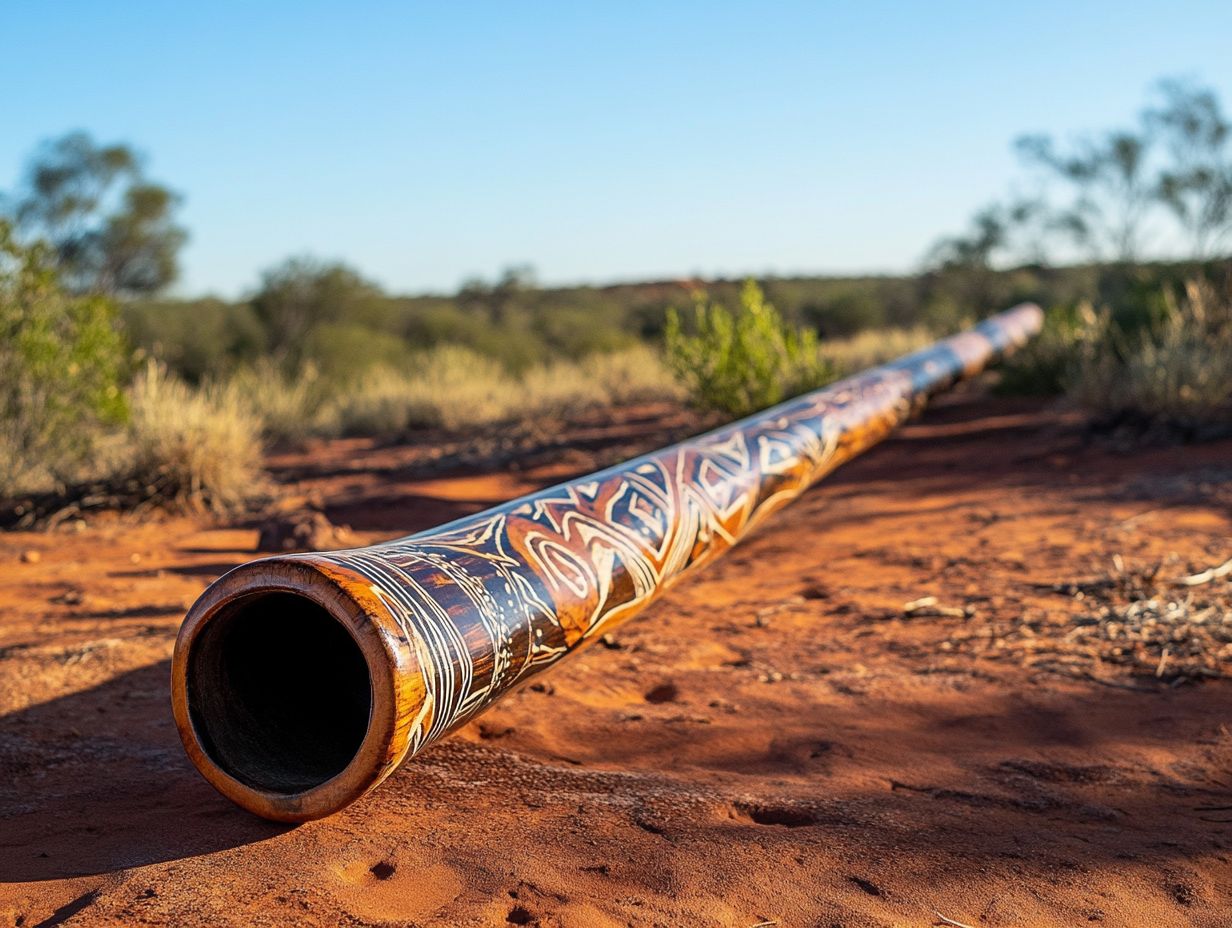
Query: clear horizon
[427,145]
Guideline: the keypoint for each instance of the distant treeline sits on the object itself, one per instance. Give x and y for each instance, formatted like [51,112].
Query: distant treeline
[1082,219]
[329,316]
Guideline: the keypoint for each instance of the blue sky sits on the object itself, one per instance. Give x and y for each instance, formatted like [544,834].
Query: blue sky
[426,143]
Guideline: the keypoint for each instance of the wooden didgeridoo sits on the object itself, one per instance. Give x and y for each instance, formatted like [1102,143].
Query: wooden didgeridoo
[300,682]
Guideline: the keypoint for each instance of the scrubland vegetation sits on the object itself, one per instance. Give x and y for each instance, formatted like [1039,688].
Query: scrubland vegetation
[104,382]
[446,387]
[1174,373]
[739,362]
[192,447]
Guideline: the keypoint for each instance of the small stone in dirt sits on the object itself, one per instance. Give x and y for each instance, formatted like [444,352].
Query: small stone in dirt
[383,870]
[664,692]
[305,530]
[31,556]
[867,886]
[519,915]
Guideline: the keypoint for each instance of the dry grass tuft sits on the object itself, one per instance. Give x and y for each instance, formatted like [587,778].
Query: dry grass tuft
[192,448]
[874,346]
[454,388]
[288,408]
[200,448]
[448,387]
[1175,375]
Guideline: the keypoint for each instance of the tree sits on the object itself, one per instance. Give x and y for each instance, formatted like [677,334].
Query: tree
[1111,187]
[61,361]
[1197,185]
[989,234]
[303,293]
[498,298]
[110,229]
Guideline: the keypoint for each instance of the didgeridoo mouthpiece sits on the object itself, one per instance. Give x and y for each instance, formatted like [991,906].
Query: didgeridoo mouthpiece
[300,682]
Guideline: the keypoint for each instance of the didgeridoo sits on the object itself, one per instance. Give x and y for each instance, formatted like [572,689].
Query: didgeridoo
[300,682]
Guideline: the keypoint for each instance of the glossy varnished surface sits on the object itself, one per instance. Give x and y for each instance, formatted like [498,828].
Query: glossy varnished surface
[462,613]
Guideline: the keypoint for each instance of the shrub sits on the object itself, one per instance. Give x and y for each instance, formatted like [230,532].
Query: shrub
[453,388]
[1046,364]
[289,408]
[847,313]
[342,351]
[636,374]
[574,332]
[61,359]
[194,448]
[448,386]
[196,339]
[1173,373]
[740,362]
[302,293]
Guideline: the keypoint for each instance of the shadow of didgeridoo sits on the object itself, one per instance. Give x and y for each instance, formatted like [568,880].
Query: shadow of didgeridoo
[97,781]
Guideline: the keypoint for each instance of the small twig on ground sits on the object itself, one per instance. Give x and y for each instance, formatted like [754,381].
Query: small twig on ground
[928,606]
[1140,515]
[942,920]
[1206,576]
[1163,662]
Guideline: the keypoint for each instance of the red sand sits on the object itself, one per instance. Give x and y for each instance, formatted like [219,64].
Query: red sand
[775,742]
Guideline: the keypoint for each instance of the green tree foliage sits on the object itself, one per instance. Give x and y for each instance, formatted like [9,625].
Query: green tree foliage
[61,361]
[111,230]
[197,339]
[1111,186]
[1118,189]
[1046,365]
[1197,185]
[739,362]
[302,294]
[341,351]
[499,298]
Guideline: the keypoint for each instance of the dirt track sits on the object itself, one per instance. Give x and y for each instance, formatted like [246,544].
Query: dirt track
[777,741]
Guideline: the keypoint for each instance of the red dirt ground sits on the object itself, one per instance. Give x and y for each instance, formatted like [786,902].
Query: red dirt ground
[776,742]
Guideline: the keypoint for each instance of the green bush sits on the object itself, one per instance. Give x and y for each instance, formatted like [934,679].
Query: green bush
[571,332]
[342,351]
[61,362]
[303,294]
[196,339]
[845,314]
[1173,374]
[740,362]
[1046,365]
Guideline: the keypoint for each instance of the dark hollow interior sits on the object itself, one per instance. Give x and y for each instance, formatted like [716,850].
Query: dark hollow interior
[278,692]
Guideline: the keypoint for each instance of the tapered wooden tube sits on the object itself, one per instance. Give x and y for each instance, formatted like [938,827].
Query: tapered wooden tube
[300,682]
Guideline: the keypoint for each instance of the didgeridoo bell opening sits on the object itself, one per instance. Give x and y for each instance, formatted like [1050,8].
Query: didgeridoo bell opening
[300,682]
[291,695]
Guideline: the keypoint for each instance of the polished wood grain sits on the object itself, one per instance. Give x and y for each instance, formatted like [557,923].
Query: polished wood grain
[448,620]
